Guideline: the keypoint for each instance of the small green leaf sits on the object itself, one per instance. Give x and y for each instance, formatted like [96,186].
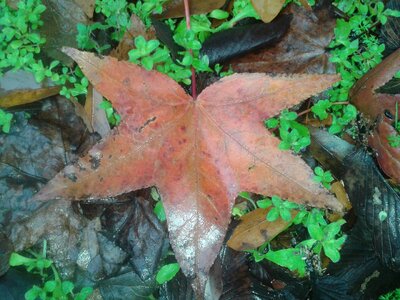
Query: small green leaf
[382,216]
[315,232]
[273,214]
[219,14]
[167,272]
[159,211]
[18,260]
[264,203]
[332,253]
[84,293]
[272,123]
[50,286]
[285,214]
[147,63]
[67,287]
[33,293]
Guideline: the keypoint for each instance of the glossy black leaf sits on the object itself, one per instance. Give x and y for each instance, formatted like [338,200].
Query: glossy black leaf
[15,283]
[240,40]
[368,192]
[44,137]
[358,275]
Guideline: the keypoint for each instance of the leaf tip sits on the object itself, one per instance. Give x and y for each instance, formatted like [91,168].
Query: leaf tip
[71,52]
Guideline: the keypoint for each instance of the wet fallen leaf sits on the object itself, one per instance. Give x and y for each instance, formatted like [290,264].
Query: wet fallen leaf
[20,87]
[302,50]
[176,9]
[64,16]
[15,283]
[268,9]
[240,40]
[358,274]
[254,230]
[136,230]
[368,192]
[380,109]
[200,154]
[44,137]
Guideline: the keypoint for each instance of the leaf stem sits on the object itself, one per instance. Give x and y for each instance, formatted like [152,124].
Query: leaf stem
[187,16]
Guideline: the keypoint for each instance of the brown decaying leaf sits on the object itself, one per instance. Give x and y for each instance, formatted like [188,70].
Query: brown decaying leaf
[96,116]
[21,97]
[176,8]
[376,107]
[306,5]
[199,153]
[315,122]
[388,157]
[364,95]
[302,49]
[87,6]
[135,29]
[18,88]
[268,9]
[254,230]
[338,189]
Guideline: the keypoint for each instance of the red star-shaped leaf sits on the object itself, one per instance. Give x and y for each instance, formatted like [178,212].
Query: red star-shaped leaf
[199,153]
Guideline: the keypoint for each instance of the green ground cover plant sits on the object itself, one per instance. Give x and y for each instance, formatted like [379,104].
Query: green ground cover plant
[53,287]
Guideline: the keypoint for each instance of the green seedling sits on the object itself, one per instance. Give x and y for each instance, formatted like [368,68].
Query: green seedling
[158,208]
[393,295]
[279,208]
[167,273]
[324,177]
[355,50]
[113,118]
[323,236]
[53,286]
[5,121]
[294,135]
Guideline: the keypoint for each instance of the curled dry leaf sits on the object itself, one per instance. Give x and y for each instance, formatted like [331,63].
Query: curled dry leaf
[200,153]
[301,50]
[20,87]
[254,230]
[380,108]
[268,9]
